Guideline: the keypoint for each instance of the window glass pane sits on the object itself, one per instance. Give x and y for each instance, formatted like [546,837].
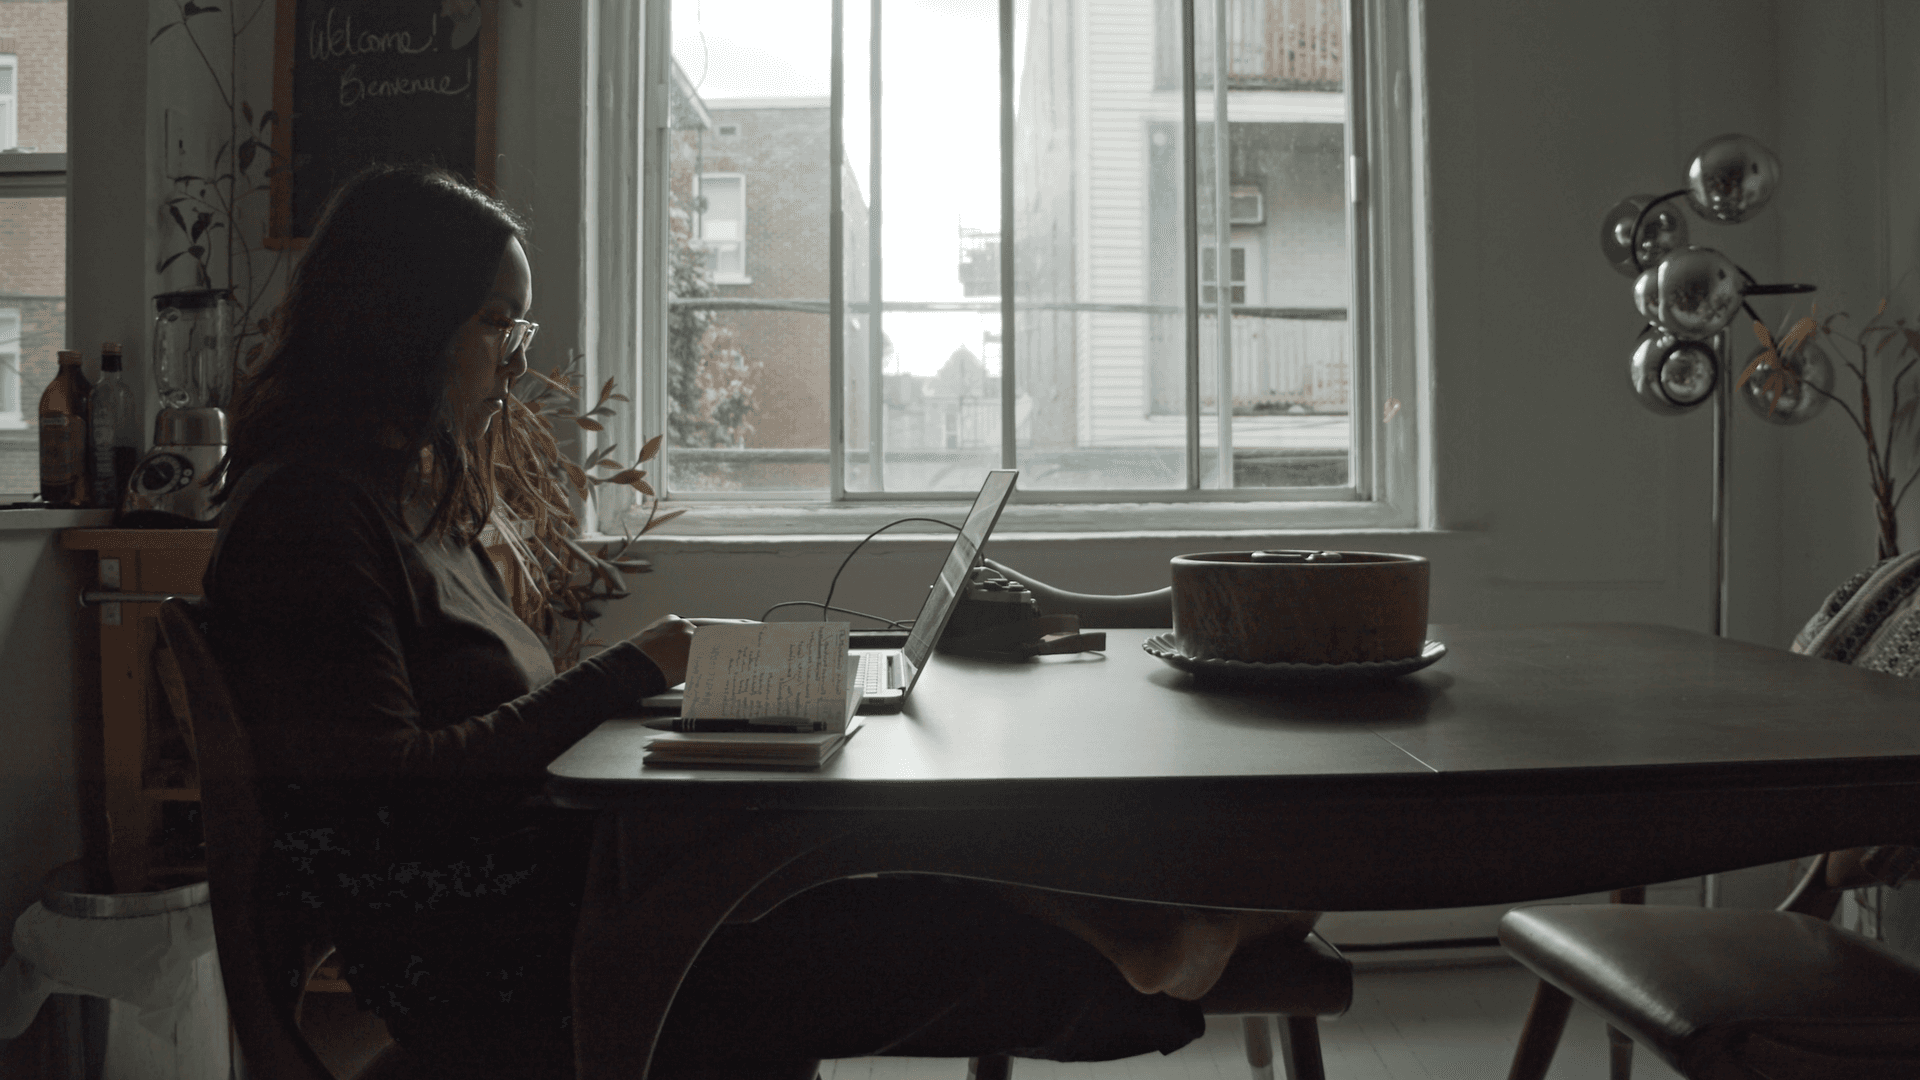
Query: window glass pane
[33,58]
[1289,350]
[936,359]
[33,314]
[1100,247]
[747,375]
[33,232]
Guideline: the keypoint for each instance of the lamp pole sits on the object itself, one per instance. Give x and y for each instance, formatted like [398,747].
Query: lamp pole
[1722,424]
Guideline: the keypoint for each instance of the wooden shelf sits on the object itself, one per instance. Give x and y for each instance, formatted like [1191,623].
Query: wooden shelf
[138,539]
[146,561]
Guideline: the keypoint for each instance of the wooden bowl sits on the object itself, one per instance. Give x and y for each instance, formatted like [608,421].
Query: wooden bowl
[1366,607]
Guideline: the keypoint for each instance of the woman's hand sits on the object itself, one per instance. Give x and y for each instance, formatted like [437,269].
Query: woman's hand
[666,641]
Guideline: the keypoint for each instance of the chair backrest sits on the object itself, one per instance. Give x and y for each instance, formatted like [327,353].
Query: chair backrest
[264,951]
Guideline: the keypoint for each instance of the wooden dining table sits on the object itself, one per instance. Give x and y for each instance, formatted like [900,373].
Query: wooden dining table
[1528,763]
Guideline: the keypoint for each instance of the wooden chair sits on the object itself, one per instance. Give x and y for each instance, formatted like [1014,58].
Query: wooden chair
[1720,994]
[267,954]
[1865,621]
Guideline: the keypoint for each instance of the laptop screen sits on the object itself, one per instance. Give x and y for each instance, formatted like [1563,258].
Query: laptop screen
[944,595]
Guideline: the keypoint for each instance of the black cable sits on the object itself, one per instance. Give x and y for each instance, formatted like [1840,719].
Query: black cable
[828,606]
[892,624]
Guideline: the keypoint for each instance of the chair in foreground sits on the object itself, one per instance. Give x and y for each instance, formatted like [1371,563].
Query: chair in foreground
[1294,981]
[1723,994]
[267,955]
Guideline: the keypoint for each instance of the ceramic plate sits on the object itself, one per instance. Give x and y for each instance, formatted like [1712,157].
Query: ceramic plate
[1162,646]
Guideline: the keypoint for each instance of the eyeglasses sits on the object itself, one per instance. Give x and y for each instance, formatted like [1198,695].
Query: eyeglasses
[518,334]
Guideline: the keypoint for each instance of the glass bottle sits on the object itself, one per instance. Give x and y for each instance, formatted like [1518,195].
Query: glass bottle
[116,432]
[66,453]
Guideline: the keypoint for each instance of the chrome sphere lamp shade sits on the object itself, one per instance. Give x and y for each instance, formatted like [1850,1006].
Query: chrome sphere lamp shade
[1690,295]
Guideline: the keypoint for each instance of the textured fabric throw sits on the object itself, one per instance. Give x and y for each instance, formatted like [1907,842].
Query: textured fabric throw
[1872,621]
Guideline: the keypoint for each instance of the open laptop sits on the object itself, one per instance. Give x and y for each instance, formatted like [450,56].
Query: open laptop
[888,675]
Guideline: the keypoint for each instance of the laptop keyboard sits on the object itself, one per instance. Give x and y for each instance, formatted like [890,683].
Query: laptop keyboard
[873,672]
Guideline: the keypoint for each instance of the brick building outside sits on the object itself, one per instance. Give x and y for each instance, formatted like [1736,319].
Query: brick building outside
[753,175]
[33,243]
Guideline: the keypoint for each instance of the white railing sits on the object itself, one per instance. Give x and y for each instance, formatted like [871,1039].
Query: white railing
[1281,364]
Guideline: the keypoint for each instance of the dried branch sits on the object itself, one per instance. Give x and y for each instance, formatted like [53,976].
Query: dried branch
[564,584]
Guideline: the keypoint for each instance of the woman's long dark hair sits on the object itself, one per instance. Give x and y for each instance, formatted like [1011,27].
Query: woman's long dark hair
[359,357]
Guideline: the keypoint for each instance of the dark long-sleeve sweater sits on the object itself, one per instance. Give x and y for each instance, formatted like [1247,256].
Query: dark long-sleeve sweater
[402,713]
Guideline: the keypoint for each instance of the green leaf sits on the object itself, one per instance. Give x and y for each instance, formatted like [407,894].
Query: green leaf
[162,268]
[590,425]
[162,30]
[246,112]
[177,219]
[246,154]
[651,448]
[268,119]
[200,224]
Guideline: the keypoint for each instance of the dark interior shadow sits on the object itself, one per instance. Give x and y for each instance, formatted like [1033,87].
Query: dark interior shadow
[1410,699]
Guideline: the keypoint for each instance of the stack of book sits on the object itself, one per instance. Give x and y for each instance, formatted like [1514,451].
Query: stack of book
[765,696]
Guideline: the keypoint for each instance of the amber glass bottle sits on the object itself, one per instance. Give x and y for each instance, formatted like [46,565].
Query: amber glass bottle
[66,451]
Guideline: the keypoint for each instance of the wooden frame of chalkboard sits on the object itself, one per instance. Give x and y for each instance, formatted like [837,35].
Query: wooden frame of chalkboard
[360,81]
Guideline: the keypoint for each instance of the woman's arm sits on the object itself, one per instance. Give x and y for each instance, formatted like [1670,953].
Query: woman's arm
[310,592]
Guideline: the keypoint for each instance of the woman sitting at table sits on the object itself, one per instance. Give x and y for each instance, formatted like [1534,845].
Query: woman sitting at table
[403,717]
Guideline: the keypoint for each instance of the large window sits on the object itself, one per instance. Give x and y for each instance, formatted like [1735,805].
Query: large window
[33,226]
[987,233]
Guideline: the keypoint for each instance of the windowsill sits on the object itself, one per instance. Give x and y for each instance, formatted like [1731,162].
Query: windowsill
[732,279]
[1238,523]
[50,520]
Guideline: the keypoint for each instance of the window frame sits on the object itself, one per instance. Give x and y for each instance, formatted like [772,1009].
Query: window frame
[1390,463]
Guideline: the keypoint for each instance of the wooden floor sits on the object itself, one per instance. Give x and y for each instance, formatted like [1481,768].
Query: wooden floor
[1457,1024]
[1447,1024]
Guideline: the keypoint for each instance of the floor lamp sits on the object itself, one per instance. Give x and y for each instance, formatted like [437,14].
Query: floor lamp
[1690,296]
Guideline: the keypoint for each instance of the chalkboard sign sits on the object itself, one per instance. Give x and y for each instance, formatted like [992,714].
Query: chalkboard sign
[395,81]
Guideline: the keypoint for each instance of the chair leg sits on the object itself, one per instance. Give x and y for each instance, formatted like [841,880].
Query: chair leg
[1300,1048]
[1619,1054]
[990,1067]
[1541,1035]
[1253,1030]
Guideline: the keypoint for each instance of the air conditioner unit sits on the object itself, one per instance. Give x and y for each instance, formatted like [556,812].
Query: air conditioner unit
[1245,206]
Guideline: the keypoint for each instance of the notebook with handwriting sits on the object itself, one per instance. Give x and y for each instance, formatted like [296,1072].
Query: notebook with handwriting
[783,675]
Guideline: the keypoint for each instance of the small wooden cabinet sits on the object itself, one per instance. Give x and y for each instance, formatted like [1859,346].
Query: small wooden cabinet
[152,798]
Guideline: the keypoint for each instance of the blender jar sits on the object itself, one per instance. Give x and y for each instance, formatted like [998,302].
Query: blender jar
[192,368]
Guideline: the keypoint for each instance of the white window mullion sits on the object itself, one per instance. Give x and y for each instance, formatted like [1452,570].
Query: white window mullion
[1009,419]
[1190,235]
[836,268]
[1222,253]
